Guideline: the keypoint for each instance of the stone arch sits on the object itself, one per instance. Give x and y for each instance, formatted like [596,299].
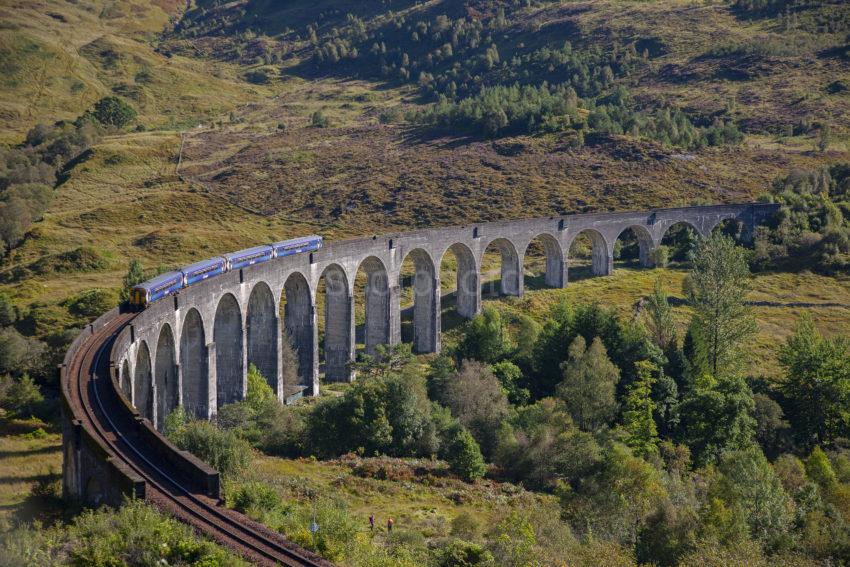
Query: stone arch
[166,387]
[555,267]
[298,323]
[426,301]
[227,336]
[732,227]
[644,242]
[679,238]
[261,325]
[194,364]
[511,278]
[126,380]
[377,303]
[143,382]
[468,288]
[338,344]
[602,262]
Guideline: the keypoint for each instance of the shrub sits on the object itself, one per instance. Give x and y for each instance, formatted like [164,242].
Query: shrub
[134,535]
[461,553]
[256,496]
[92,303]
[319,120]
[259,391]
[221,449]
[19,397]
[661,256]
[463,455]
[478,401]
[257,76]
[112,111]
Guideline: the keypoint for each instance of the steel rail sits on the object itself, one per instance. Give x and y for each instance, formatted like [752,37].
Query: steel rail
[228,527]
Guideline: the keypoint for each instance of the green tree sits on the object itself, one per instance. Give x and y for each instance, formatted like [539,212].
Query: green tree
[387,360]
[19,354]
[463,454]
[260,392]
[717,416]
[717,291]
[747,481]
[478,401]
[618,500]
[638,418]
[819,469]
[589,384]
[19,397]
[510,376]
[659,317]
[816,385]
[134,276]
[113,111]
[513,541]
[487,338]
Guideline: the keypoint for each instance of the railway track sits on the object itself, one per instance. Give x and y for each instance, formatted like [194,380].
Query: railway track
[97,405]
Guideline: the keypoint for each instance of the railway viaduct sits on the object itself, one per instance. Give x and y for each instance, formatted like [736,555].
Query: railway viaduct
[126,372]
[194,348]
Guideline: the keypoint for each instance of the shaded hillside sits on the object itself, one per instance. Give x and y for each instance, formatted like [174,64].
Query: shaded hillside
[767,72]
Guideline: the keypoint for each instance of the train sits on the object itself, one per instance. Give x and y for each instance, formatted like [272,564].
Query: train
[168,283]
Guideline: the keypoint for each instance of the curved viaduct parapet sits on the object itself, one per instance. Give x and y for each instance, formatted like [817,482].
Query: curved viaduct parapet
[224,324]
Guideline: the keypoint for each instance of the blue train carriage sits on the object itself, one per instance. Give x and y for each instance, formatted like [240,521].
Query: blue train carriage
[297,245]
[248,257]
[157,288]
[199,271]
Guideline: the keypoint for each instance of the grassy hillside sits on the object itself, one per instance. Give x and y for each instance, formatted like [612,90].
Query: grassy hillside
[57,58]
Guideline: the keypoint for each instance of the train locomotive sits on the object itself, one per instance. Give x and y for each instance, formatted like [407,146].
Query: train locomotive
[168,283]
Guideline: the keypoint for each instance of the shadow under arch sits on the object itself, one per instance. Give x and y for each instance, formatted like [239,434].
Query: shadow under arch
[467,281]
[143,382]
[194,365]
[376,299]
[600,259]
[426,297]
[227,336]
[166,387]
[338,343]
[510,268]
[261,326]
[546,250]
[637,244]
[680,239]
[298,314]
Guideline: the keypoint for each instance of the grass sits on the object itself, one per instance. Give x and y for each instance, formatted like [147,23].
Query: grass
[30,458]
[778,299]
[417,494]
